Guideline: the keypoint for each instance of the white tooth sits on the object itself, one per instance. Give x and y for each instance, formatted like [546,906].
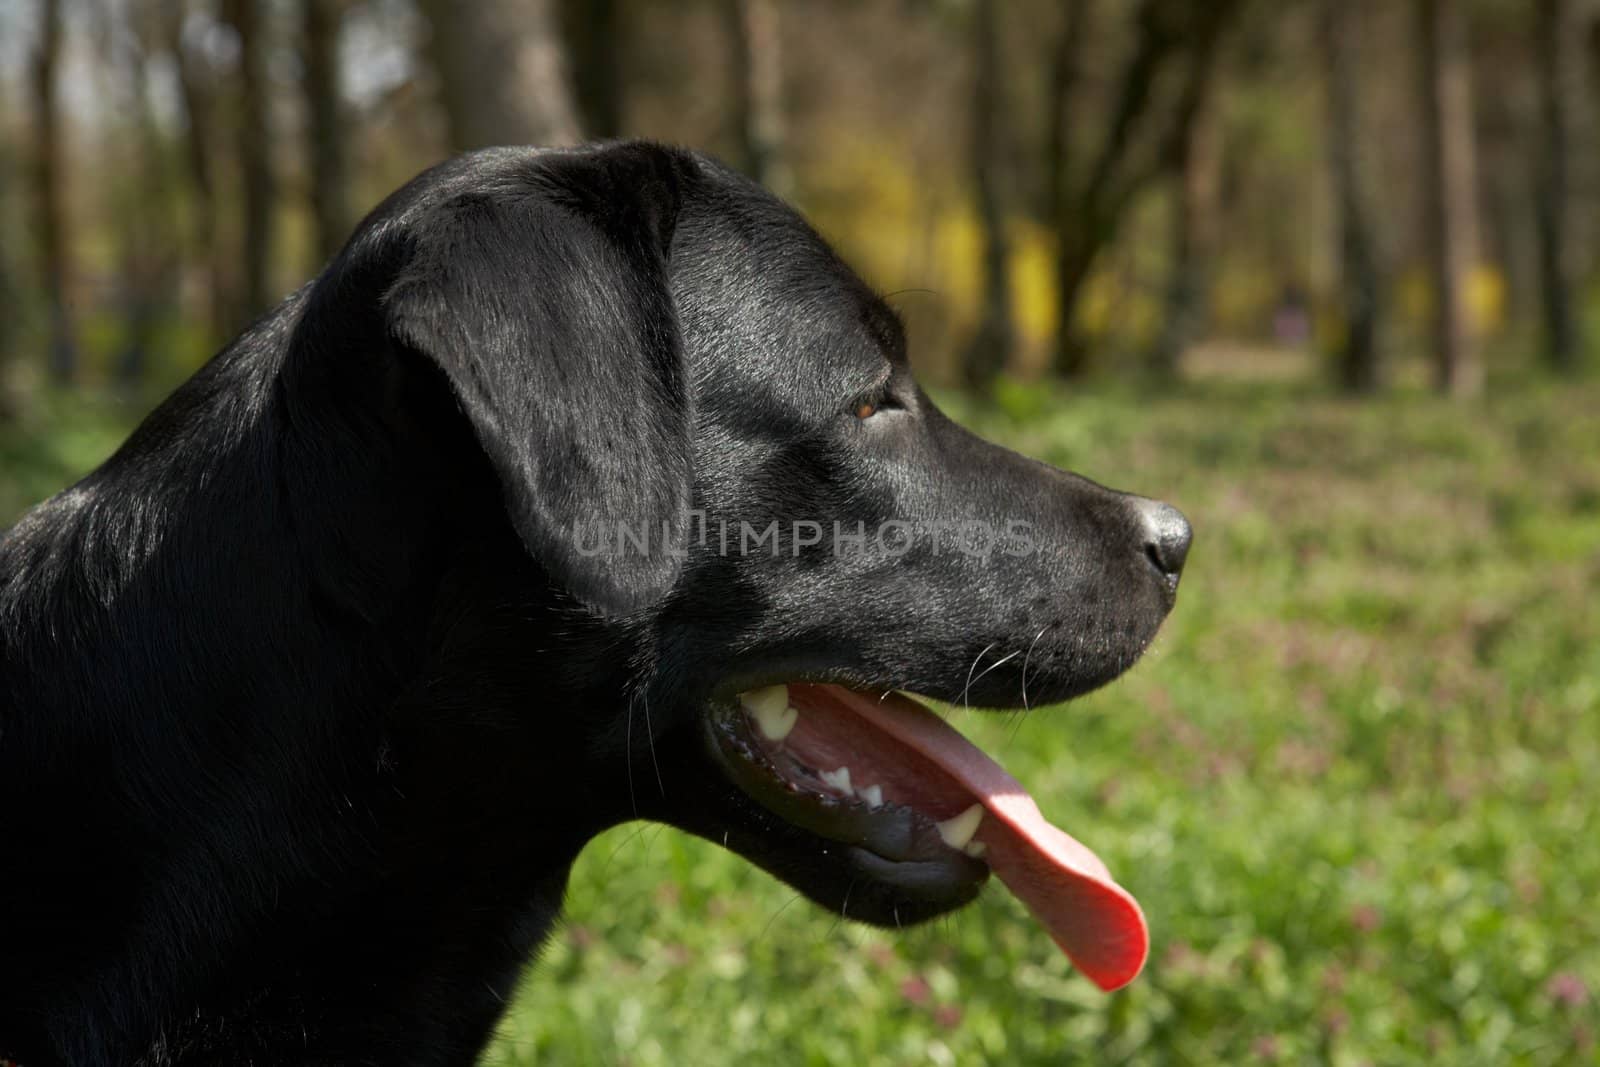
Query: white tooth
[873,795]
[839,779]
[958,830]
[976,849]
[773,698]
[770,709]
[778,726]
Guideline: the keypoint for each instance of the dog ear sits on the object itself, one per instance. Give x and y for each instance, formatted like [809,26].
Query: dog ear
[541,292]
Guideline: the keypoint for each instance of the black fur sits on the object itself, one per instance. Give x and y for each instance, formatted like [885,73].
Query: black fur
[312,693]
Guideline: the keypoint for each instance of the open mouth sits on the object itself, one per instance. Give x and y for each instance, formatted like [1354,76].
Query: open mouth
[927,812]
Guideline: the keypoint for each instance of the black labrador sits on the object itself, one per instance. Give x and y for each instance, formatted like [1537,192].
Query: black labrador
[582,486]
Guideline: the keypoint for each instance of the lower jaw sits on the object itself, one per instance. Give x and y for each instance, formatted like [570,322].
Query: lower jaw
[871,821]
[902,870]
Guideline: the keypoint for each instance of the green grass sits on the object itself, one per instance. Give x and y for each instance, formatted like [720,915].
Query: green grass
[1356,785]
[54,442]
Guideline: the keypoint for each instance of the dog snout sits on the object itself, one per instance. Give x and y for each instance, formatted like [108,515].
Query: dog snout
[1167,535]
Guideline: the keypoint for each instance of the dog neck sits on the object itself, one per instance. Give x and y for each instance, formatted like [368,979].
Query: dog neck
[322,609]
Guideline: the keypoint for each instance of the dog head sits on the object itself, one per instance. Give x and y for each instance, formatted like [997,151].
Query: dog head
[704,431]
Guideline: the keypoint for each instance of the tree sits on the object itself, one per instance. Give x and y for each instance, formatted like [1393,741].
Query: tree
[1360,287]
[47,172]
[753,29]
[1087,203]
[990,348]
[502,72]
[1450,190]
[9,288]
[147,228]
[253,145]
[325,127]
[1193,162]
[196,90]
[1065,77]
[593,32]
[1559,83]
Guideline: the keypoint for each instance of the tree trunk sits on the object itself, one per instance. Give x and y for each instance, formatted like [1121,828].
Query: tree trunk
[10,296]
[502,70]
[1360,288]
[49,203]
[758,95]
[325,127]
[1559,79]
[1090,209]
[147,223]
[1451,191]
[195,89]
[253,143]
[1193,245]
[1066,76]
[990,349]
[593,31]
[1076,256]
[1089,220]
[1192,153]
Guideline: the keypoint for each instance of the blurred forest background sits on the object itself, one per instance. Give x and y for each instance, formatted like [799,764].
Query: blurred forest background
[1397,190]
[1321,272]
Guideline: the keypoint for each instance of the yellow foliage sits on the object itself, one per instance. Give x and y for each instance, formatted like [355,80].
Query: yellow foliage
[1486,297]
[1033,277]
[902,231]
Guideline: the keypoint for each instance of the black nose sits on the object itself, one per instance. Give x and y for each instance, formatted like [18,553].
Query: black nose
[1166,536]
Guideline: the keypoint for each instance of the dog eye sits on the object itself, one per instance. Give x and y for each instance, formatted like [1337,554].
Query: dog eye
[874,404]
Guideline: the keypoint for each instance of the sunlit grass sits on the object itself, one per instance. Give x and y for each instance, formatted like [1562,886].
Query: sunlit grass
[1353,786]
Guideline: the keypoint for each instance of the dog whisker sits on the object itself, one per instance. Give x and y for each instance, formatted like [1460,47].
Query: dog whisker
[630,839]
[781,909]
[649,846]
[1001,662]
[650,738]
[1025,659]
[1017,719]
[916,290]
[967,690]
[627,762]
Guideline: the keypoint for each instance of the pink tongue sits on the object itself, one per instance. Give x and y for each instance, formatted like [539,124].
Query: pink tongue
[1096,922]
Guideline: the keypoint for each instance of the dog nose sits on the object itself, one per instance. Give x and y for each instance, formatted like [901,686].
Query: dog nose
[1166,536]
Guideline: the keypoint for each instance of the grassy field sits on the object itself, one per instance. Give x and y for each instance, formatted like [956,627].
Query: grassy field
[1356,785]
